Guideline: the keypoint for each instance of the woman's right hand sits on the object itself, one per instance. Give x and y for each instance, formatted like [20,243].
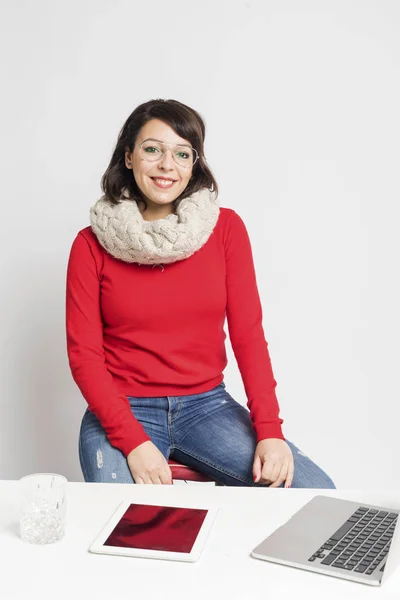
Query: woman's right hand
[148,465]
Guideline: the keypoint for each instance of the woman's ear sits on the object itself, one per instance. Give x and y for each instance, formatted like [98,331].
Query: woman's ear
[128,159]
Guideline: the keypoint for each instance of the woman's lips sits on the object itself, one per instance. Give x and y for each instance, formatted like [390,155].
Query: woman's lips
[164,184]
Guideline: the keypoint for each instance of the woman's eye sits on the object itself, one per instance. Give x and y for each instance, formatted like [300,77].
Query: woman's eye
[151,149]
[184,155]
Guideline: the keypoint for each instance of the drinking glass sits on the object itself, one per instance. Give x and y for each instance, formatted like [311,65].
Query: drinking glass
[42,519]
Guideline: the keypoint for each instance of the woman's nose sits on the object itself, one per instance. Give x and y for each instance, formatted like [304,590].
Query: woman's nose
[166,160]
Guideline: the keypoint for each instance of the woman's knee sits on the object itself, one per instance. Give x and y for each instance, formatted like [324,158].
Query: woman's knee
[100,465]
[100,461]
[307,474]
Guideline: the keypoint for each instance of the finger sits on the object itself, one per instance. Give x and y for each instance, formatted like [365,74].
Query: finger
[277,469]
[146,479]
[267,470]
[166,477]
[273,471]
[169,473]
[282,475]
[256,468]
[138,480]
[290,474]
[156,480]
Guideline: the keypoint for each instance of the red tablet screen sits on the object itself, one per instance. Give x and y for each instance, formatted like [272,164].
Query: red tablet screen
[151,527]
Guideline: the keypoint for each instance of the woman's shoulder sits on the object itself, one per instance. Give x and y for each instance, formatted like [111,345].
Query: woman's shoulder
[233,228]
[225,211]
[87,233]
[230,219]
[226,215]
[86,240]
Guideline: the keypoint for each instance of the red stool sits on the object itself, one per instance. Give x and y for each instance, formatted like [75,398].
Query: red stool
[184,473]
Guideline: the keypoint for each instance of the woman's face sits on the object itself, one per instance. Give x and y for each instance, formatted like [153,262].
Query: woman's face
[163,180]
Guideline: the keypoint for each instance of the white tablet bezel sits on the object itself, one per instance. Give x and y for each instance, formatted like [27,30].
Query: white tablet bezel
[98,547]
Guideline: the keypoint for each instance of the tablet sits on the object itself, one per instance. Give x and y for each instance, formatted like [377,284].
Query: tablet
[154,531]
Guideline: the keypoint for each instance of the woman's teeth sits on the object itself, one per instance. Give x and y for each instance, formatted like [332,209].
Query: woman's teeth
[163,182]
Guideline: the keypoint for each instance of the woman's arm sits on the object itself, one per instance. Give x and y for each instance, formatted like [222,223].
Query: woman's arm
[85,349]
[244,315]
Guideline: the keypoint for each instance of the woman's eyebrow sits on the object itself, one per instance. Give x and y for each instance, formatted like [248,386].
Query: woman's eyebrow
[161,142]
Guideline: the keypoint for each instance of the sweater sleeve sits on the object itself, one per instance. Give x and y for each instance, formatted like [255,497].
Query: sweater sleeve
[244,316]
[85,349]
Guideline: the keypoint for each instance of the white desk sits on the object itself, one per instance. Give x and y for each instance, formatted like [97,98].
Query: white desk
[225,570]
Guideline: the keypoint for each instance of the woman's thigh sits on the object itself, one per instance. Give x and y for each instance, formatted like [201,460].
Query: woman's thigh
[100,461]
[215,435]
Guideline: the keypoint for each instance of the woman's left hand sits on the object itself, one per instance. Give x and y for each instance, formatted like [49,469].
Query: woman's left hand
[273,463]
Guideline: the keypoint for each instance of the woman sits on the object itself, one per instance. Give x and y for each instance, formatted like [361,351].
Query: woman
[149,285]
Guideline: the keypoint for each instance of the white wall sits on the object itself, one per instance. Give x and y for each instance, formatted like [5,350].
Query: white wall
[301,104]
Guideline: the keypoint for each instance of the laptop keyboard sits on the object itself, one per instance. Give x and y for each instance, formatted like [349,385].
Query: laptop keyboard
[361,543]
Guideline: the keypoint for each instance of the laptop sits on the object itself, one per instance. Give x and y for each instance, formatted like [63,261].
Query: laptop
[337,537]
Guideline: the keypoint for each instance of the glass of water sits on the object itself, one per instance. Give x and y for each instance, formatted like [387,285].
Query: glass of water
[42,519]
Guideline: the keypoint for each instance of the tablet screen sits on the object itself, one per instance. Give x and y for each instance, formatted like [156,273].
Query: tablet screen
[151,527]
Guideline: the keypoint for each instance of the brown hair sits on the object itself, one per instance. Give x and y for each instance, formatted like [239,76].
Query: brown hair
[185,121]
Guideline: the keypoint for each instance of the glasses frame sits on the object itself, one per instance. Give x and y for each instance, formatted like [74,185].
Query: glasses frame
[196,154]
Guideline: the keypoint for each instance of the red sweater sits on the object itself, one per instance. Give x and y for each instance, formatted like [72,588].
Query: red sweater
[135,330]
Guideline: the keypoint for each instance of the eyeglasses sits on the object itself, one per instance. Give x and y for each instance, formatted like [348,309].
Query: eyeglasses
[152,150]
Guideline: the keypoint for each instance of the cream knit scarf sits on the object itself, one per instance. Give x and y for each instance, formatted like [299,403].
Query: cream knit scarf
[123,233]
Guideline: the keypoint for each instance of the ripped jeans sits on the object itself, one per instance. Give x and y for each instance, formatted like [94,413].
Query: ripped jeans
[209,432]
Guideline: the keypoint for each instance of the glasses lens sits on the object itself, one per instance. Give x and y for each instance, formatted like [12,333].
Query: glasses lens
[182,155]
[151,151]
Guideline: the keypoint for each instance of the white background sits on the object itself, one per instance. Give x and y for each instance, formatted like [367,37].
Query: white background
[301,102]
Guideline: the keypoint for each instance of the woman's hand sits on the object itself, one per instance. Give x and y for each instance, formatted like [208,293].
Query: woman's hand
[148,465]
[273,463]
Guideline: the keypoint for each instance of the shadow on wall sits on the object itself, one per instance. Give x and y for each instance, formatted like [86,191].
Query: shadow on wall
[42,404]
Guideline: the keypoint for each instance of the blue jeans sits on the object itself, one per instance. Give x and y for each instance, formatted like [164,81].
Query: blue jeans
[210,432]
